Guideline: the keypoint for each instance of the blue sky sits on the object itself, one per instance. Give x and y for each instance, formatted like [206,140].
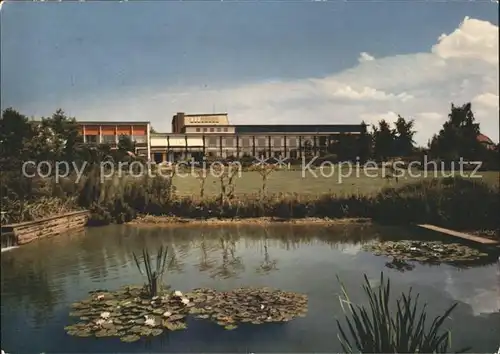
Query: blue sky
[262,62]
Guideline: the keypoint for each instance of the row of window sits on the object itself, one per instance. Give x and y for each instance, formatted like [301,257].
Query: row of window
[211,130]
[112,139]
[261,142]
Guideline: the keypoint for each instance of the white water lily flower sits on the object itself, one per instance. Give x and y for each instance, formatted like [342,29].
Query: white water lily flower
[155,298]
[178,293]
[167,314]
[100,297]
[105,315]
[150,321]
[262,307]
[185,301]
[99,322]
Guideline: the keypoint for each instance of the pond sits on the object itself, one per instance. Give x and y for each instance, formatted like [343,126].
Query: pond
[41,280]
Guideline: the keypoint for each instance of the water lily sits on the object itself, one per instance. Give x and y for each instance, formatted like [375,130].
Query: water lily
[167,314]
[262,307]
[100,322]
[100,297]
[105,315]
[150,321]
[177,293]
[155,298]
[185,301]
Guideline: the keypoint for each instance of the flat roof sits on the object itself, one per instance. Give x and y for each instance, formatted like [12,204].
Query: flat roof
[201,114]
[300,128]
[90,122]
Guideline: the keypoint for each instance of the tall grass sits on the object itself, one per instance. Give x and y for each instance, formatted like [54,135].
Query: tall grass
[154,274]
[377,329]
[450,202]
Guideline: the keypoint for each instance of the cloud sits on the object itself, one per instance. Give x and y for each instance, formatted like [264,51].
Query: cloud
[474,39]
[486,99]
[364,56]
[460,67]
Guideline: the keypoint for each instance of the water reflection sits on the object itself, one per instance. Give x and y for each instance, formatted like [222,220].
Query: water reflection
[268,264]
[41,280]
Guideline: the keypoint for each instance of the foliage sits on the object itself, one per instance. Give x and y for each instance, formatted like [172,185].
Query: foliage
[458,137]
[449,202]
[404,132]
[383,140]
[376,329]
[154,275]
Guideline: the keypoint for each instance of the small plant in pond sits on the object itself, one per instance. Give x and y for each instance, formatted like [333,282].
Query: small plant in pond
[376,329]
[154,275]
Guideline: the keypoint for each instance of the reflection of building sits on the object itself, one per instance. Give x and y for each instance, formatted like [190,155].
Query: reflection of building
[110,132]
[211,135]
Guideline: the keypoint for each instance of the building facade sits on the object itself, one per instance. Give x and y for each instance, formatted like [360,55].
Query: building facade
[109,133]
[210,135]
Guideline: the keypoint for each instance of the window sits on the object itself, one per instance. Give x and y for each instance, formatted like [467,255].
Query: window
[261,142]
[140,139]
[277,142]
[212,141]
[245,142]
[225,129]
[108,139]
[204,129]
[197,129]
[230,142]
[218,129]
[292,141]
[211,130]
[91,138]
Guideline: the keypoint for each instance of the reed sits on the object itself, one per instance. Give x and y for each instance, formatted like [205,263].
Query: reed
[377,329]
[154,275]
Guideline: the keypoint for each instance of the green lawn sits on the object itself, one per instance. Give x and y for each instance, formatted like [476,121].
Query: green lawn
[294,182]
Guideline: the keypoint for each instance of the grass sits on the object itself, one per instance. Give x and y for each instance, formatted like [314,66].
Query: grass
[377,329]
[282,181]
[457,203]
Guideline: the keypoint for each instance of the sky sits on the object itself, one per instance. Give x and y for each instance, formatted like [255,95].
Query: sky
[262,62]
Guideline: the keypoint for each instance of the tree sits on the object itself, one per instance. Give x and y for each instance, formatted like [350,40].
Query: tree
[126,144]
[62,133]
[403,136]
[15,132]
[383,140]
[458,137]
[365,144]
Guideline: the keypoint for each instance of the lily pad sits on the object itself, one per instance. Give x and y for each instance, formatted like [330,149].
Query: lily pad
[156,331]
[130,338]
[174,326]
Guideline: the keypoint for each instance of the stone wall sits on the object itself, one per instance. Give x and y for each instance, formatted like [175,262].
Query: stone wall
[31,230]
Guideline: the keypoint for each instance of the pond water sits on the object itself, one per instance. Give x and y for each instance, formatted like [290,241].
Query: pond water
[40,281]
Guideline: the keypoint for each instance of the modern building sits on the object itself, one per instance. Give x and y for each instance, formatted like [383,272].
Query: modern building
[109,133]
[212,136]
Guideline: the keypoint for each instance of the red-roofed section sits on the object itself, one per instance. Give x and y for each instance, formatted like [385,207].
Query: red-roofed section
[483,139]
